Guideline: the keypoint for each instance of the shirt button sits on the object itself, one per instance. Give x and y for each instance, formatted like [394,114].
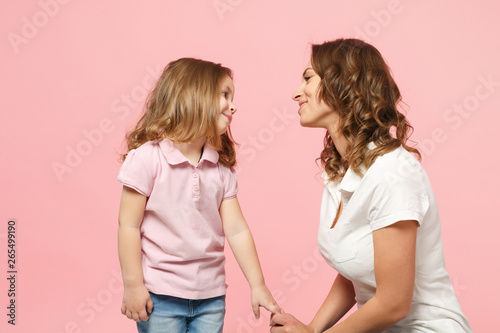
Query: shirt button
[195,175]
[196,188]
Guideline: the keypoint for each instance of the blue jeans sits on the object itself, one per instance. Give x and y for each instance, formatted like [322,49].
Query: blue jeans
[178,315]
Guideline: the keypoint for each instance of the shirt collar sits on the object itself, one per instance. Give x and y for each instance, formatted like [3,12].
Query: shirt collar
[210,154]
[174,156]
[351,179]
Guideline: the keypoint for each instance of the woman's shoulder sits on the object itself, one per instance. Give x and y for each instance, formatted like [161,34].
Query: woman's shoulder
[398,166]
[399,160]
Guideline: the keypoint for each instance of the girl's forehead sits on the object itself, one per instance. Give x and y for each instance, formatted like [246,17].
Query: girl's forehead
[227,79]
[227,82]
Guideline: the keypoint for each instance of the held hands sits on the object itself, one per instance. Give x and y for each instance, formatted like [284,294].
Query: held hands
[136,300]
[285,322]
[280,322]
[261,296]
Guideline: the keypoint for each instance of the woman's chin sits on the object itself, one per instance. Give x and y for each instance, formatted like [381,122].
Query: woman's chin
[305,123]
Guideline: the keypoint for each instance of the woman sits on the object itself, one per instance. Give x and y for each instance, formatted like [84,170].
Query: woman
[379,224]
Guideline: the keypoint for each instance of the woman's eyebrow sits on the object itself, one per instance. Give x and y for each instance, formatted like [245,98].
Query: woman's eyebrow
[305,70]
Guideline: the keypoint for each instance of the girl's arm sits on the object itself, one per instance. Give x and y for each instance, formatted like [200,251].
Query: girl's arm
[240,240]
[394,255]
[136,298]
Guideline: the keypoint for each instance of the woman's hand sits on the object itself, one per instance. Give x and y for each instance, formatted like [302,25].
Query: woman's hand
[136,300]
[285,322]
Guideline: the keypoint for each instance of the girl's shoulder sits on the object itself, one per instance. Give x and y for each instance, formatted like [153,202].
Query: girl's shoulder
[148,147]
[140,168]
[226,172]
[147,153]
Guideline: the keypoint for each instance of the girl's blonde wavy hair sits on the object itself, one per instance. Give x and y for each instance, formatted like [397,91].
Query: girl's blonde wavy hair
[357,83]
[184,106]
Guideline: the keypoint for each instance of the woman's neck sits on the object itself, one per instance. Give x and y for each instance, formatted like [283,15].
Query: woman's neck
[192,150]
[339,141]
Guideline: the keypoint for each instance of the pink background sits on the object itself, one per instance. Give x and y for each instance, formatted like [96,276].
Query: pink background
[74,75]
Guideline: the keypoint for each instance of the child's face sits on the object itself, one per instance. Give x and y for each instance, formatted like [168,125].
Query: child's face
[227,109]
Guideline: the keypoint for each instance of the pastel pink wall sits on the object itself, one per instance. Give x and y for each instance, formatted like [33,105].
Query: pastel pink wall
[74,75]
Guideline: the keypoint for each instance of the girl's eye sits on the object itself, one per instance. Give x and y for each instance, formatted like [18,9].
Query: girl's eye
[224,93]
[306,78]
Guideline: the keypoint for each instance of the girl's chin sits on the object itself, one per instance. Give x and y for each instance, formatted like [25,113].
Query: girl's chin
[222,131]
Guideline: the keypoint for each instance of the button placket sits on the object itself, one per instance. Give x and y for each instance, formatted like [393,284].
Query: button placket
[196,184]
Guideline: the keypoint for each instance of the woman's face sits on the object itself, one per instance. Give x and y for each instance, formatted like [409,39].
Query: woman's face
[227,109]
[313,112]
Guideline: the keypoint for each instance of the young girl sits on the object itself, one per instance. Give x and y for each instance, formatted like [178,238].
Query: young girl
[178,203]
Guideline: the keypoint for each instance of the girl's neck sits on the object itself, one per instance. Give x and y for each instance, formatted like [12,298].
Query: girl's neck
[192,150]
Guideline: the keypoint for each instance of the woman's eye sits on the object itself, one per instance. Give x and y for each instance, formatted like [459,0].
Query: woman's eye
[306,78]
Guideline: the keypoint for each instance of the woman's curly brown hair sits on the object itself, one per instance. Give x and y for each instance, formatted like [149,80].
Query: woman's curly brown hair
[357,83]
[184,106]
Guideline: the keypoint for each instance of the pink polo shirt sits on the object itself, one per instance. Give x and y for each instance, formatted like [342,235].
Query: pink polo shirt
[181,234]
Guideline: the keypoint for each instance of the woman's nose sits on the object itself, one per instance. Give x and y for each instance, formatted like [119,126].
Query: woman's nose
[296,94]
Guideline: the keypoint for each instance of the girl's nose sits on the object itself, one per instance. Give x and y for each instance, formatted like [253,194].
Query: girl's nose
[233,109]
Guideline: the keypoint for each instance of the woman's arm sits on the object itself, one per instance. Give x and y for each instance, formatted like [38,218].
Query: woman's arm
[338,302]
[136,298]
[394,256]
[240,240]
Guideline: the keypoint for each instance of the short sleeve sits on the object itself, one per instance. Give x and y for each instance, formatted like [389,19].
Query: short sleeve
[230,182]
[137,171]
[397,194]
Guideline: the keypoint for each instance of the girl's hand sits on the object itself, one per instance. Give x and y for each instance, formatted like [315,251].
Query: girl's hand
[285,322]
[261,296]
[136,300]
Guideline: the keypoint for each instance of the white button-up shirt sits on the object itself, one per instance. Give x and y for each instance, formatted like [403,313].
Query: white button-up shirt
[395,188]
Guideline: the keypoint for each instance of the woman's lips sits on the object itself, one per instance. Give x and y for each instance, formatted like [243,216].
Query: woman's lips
[301,104]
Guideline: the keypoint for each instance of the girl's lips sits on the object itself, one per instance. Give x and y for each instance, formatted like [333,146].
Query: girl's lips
[228,117]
